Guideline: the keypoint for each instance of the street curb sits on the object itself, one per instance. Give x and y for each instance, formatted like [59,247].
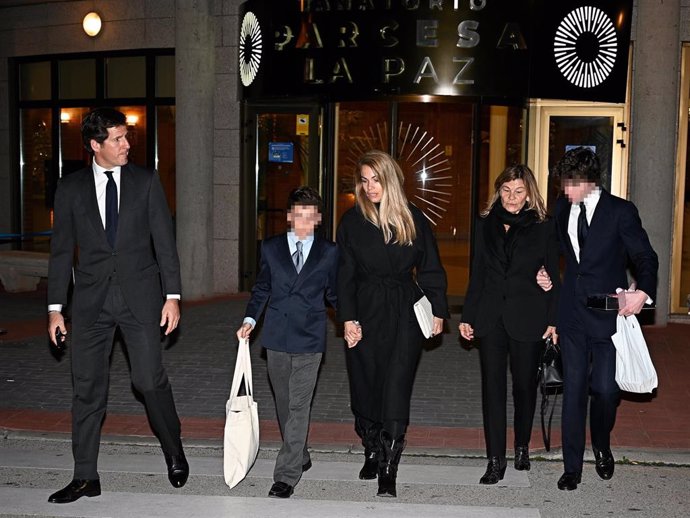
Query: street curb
[207,447]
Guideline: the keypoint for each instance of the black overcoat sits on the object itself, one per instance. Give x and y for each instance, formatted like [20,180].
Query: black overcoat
[376,286]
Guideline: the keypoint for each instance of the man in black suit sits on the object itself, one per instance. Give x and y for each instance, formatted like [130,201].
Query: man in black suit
[297,274]
[113,236]
[600,236]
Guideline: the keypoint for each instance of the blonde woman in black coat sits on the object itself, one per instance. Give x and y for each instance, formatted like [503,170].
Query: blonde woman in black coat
[385,244]
[508,312]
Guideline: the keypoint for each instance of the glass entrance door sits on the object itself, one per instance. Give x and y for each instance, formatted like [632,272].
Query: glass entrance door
[450,152]
[281,151]
[560,127]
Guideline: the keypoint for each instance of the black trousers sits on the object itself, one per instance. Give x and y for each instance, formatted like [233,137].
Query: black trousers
[589,375]
[494,351]
[90,352]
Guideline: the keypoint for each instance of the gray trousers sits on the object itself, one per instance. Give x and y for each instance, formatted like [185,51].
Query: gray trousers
[293,378]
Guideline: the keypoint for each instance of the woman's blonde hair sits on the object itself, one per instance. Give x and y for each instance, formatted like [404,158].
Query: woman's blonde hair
[393,216]
[534,200]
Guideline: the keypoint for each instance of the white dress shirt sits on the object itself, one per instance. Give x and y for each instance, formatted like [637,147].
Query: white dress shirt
[591,201]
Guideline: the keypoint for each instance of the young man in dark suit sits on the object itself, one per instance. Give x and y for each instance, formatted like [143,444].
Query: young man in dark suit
[297,274]
[600,236]
[113,236]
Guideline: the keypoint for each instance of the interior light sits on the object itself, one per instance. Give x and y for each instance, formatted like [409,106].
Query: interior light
[65,117]
[132,120]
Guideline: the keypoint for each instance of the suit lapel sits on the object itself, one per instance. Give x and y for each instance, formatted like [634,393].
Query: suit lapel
[127,190]
[598,221]
[285,258]
[563,217]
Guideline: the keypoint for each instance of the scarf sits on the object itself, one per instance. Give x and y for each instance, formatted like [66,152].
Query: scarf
[501,243]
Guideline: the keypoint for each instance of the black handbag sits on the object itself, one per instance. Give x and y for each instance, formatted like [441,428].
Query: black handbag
[550,376]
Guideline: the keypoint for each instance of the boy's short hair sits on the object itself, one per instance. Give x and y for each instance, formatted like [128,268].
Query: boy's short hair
[304,195]
[580,163]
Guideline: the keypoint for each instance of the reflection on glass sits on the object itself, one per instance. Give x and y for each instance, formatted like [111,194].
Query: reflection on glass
[283,162]
[165,151]
[77,78]
[566,132]
[361,126]
[125,77]
[684,296]
[73,155]
[34,81]
[165,76]
[38,179]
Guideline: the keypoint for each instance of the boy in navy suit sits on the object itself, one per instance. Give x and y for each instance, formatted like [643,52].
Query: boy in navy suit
[297,274]
[600,235]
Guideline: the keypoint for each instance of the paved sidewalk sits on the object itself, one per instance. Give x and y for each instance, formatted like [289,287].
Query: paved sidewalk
[35,388]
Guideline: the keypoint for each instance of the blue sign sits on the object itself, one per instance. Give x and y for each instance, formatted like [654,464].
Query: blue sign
[281,152]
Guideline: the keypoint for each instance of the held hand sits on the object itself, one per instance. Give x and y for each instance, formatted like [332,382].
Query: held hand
[634,301]
[353,333]
[544,279]
[244,331]
[551,331]
[55,320]
[466,331]
[170,315]
[438,326]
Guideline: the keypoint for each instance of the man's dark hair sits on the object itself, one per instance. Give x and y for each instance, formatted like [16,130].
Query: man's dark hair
[96,123]
[304,195]
[580,163]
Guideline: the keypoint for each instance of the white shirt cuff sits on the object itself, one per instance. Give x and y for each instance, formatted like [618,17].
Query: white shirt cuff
[55,307]
[249,320]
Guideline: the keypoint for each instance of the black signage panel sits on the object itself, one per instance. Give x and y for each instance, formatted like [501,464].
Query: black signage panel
[580,50]
[361,49]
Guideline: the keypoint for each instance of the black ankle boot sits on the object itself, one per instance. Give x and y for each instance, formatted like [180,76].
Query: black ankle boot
[371,439]
[494,471]
[522,458]
[391,450]
[371,465]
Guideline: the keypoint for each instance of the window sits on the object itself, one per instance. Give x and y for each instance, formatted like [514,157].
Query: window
[51,109]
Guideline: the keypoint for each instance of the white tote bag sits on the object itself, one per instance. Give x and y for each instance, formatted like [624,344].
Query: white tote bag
[634,369]
[241,436]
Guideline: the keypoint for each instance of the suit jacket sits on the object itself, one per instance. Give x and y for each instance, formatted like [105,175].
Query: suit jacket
[144,260]
[512,292]
[615,241]
[295,320]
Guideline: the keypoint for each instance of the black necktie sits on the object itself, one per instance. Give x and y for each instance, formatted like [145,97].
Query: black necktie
[582,226]
[297,257]
[111,209]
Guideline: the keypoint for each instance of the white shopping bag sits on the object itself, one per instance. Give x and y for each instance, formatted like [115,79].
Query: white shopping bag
[634,369]
[241,435]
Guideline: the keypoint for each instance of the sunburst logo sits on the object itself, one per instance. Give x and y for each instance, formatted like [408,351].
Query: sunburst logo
[423,161]
[250,48]
[585,46]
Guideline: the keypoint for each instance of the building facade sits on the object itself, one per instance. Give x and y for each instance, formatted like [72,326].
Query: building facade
[229,146]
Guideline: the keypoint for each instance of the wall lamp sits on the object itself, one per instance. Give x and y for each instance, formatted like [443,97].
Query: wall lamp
[92,24]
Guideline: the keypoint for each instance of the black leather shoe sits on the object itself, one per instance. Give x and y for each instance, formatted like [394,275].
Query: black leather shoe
[495,471]
[604,463]
[75,490]
[306,466]
[522,458]
[569,481]
[371,466]
[281,490]
[178,469]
